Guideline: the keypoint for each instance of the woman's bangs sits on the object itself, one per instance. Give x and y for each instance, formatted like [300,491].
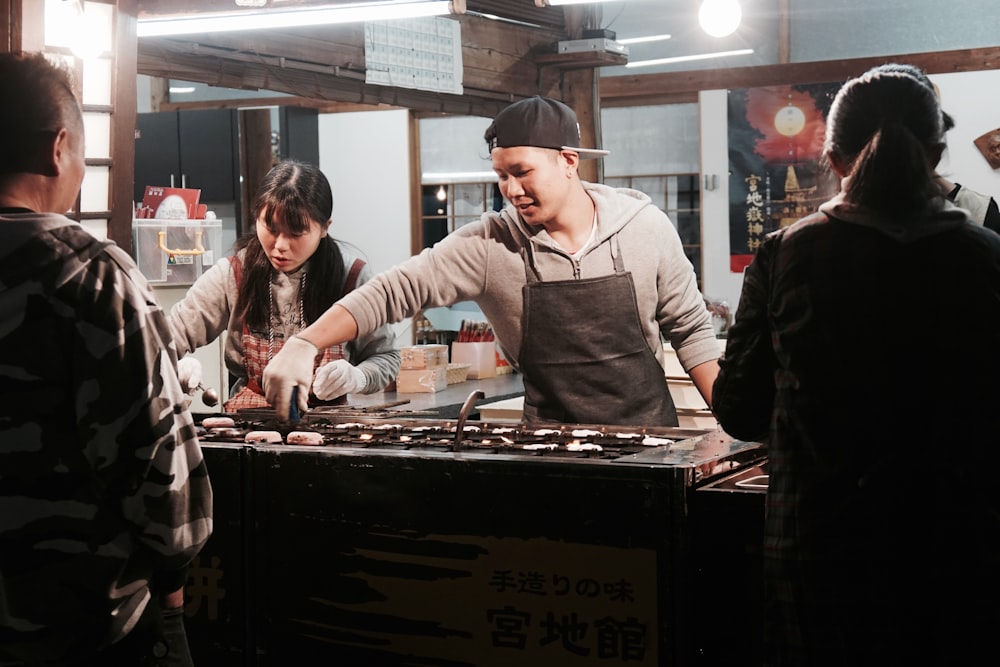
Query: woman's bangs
[287,215]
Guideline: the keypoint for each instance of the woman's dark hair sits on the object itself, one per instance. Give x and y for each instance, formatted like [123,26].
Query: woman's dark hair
[920,76]
[298,195]
[887,129]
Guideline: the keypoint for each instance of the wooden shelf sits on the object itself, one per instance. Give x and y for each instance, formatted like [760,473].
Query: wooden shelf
[581,59]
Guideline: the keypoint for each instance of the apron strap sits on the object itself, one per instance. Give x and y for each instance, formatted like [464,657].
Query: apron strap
[531,274]
[352,275]
[238,276]
[237,270]
[616,255]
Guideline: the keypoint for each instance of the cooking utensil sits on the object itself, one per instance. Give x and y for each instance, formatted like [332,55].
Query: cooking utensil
[470,402]
[293,411]
[209,396]
[335,409]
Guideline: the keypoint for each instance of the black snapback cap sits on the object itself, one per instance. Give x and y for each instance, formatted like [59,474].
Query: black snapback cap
[541,122]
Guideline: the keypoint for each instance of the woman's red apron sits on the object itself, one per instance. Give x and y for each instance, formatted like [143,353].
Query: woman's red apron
[257,351]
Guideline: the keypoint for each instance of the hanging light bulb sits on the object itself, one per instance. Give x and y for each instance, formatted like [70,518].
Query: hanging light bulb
[442,194]
[720,17]
[84,28]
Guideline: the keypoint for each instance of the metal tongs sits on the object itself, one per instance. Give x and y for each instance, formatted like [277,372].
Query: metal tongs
[463,414]
[209,396]
[293,410]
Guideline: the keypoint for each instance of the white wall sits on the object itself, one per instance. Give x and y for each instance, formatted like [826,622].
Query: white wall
[961,96]
[365,155]
[452,149]
[964,96]
[718,281]
[214,374]
[658,139]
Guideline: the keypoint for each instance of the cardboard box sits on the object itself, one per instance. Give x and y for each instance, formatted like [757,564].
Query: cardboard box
[686,395]
[423,356]
[422,380]
[510,409]
[700,419]
[481,357]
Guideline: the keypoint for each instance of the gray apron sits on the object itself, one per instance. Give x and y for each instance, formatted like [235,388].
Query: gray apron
[584,356]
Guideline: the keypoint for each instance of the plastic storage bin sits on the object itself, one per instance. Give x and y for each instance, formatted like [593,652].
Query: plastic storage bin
[175,252]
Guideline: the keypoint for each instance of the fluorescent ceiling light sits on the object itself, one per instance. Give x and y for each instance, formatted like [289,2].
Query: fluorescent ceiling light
[641,40]
[434,178]
[681,59]
[555,3]
[181,89]
[302,16]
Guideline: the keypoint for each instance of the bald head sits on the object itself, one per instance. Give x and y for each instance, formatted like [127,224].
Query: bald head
[36,101]
[42,159]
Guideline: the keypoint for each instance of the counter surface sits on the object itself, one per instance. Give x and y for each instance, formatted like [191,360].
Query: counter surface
[445,404]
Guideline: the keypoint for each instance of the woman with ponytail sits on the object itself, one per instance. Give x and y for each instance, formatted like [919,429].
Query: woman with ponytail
[862,353]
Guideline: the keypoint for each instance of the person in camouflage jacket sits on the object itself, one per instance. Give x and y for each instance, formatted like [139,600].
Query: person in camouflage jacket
[104,495]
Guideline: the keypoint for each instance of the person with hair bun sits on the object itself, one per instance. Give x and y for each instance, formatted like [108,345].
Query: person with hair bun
[982,208]
[862,354]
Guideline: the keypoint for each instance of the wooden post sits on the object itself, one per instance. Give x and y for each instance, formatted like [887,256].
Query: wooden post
[784,31]
[256,159]
[22,23]
[579,91]
[579,87]
[123,124]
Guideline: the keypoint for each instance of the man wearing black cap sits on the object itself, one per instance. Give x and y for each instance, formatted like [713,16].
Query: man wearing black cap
[578,280]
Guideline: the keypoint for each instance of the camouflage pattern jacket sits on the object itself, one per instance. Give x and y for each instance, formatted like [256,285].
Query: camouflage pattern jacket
[103,488]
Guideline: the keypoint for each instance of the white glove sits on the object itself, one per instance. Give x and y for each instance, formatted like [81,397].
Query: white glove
[291,367]
[189,373]
[338,378]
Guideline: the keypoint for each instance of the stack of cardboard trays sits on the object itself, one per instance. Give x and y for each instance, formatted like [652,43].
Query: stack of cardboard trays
[423,369]
[692,411]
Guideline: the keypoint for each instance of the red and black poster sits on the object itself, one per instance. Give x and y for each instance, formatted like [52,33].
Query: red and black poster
[776,138]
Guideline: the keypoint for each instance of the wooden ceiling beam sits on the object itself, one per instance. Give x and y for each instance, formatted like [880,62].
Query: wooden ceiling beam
[509,61]
[631,90]
[328,64]
[523,12]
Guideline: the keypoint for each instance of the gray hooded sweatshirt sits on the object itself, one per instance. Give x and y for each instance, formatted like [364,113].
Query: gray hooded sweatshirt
[481,262]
